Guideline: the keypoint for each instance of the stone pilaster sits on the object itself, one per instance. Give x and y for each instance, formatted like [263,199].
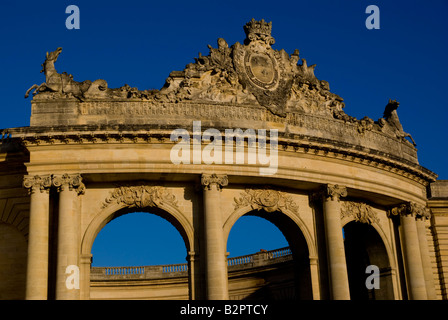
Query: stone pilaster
[421,216]
[337,265]
[69,186]
[37,263]
[415,276]
[216,259]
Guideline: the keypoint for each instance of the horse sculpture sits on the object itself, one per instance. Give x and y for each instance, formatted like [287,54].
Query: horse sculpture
[62,82]
[390,121]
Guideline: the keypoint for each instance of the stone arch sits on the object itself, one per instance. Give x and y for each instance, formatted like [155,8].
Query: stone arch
[363,213]
[16,212]
[365,245]
[284,215]
[284,205]
[157,201]
[166,208]
[13,262]
[14,228]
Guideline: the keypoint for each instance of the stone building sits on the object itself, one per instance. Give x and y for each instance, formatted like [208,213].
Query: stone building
[244,130]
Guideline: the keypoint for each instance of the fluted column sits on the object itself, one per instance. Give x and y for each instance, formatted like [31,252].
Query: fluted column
[69,186]
[335,242]
[421,216]
[215,249]
[411,251]
[38,237]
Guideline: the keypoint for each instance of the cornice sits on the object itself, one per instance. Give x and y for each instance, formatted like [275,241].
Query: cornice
[312,146]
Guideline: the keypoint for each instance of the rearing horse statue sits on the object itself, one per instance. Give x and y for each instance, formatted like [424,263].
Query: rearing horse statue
[62,82]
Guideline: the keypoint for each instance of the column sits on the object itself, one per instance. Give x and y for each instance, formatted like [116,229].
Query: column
[335,242]
[421,216]
[215,249]
[38,237]
[67,272]
[411,251]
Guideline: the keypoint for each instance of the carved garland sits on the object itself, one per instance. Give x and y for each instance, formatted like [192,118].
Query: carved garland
[266,199]
[361,212]
[141,196]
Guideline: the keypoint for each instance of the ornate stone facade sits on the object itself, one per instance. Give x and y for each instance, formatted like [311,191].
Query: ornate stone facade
[346,191]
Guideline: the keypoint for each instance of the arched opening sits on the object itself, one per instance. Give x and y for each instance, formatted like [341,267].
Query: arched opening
[364,247]
[149,246]
[13,258]
[138,239]
[268,258]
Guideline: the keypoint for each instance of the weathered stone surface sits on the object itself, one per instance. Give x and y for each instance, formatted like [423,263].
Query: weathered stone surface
[93,153]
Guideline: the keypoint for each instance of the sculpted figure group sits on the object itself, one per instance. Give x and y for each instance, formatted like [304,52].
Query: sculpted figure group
[249,73]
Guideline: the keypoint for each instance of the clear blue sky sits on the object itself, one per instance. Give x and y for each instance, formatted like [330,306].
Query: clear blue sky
[141,42]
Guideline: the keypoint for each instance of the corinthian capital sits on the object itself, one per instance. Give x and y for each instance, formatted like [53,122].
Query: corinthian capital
[71,181]
[219,180]
[410,208]
[334,191]
[37,183]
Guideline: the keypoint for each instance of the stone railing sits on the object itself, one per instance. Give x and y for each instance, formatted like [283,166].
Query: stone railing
[258,259]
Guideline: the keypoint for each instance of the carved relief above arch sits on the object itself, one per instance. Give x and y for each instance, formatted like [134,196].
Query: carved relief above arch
[358,211]
[266,199]
[141,196]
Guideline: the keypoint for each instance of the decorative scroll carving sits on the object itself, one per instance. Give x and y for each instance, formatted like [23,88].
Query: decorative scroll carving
[266,199]
[410,208]
[72,181]
[361,212]
[141,196]
[34,183]
[220,180]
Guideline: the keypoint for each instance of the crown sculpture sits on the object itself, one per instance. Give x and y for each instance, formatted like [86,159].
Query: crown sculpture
[252,73]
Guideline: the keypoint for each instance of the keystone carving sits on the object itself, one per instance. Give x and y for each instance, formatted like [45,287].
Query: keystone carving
[220,180]
[361,212]
[141,196]
[266,199]
[34,183]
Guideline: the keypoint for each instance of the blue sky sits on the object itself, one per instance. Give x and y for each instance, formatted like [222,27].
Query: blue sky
[141,42]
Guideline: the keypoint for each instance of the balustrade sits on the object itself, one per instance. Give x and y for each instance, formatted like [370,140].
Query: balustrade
[160,271]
